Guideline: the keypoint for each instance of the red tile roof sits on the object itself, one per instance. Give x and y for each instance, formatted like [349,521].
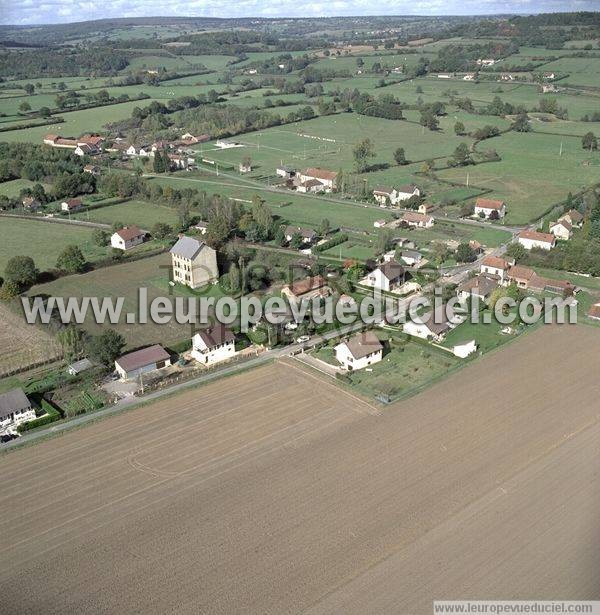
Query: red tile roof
[320,173]
[537,236]
[489,204]
[129,232]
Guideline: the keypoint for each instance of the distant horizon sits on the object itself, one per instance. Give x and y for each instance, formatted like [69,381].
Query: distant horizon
[40,13]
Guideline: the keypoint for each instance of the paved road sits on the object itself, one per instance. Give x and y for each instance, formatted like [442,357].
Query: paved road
[227,370]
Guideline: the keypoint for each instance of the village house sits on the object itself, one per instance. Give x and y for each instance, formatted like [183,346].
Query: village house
[307,289]
[496,267]
[445,75]
[177,161]
[549,89]
[486,62]
[407,191]
[411,257]
[573,217]
[325,177]
[549,75]
[142,361]
[160,146]
[469,77]
[62,142]
[195,138]
[31,203]
[285,171]
[245,167]
[520,275]
[127,238]
[385,195]
[413,218]
[490,208]
[507,77]
[432,326]
[387,277]
[94,140]
[311,185]
[379,223]
[92,169]
[561,229]
[86,149]
[425,208]
[480,286]
[307,234]
[15,408]
[194,263]
[535,239]
[71,205]
[139,151]
[476,246]
[201,227]
[359,351]
[210,346]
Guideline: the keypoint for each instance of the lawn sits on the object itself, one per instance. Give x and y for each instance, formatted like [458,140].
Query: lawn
[76,122]
[291,207]
[12,188]
[328,141]
[522,177]
[43,241]
[406,368]
[142,213]
[122,280]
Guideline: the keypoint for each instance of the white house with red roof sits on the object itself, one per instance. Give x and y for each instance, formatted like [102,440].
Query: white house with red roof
[534,239]
[486,208]
[496,266]
[127,238]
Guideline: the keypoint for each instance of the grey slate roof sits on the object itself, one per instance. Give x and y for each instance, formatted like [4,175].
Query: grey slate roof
[13,401]
[187,247]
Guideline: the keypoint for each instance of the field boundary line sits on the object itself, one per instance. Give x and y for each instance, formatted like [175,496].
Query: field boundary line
[373,410]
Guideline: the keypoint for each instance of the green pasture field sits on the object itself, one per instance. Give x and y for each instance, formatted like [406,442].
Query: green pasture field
[12,188]
[155,62]
[531,176]
[444,230]
[487,336]
[328,142]
[294,208]
[482,93]
[44,241]
[122,280]
[550,124]
[581,71]
[76,123]
[141,213]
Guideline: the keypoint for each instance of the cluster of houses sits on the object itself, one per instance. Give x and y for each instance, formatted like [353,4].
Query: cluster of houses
[388,195]
[87,145]
[209,347]
[312,179]
[562,230]
[92,145]
[497,271]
